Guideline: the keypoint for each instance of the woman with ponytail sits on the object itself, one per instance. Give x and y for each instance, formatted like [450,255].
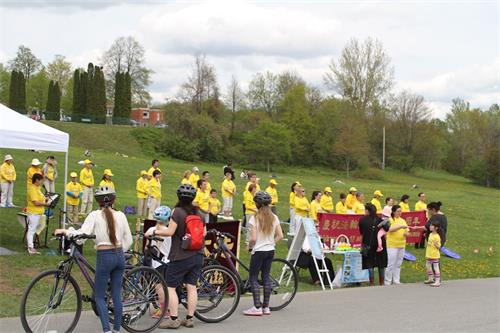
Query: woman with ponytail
[434,209]
[113,237]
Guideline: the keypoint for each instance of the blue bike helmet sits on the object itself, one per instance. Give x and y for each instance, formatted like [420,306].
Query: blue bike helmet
[162,213]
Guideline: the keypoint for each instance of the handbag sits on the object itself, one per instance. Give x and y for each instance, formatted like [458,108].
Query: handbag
[365,249]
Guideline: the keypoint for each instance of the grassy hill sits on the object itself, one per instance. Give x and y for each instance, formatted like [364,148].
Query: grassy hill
[473,211]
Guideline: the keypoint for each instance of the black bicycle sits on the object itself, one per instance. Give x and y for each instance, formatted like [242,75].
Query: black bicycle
[53,300]
[284,277]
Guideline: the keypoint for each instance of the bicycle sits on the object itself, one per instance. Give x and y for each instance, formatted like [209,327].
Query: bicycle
[218,292]
[54,295]
[284,277]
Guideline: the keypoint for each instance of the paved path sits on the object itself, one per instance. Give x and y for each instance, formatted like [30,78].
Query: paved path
[461,305]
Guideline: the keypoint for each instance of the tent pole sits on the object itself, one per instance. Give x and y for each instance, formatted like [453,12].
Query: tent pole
[64,190]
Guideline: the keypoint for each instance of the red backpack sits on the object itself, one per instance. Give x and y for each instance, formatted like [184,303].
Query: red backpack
[193,238]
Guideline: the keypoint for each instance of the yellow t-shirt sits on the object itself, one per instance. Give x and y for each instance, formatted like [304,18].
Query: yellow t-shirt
[326,203]
[340,208]
[215,205]
[29,175]
[86,177]
[420,205]
[376,203]
[154,188]
[350,201]
[250,207]
[227,188]
[291,199]
[108,183]
[404,207]
[201,200]
[152,169]
[185,181]
[256,185]
[141,188]
[358,208]
[193,179]
[35,194]
[315,207]
[396,239]
[50,172]
[302,206]
[7,172]
[209,187]
[76,189]
[273,192]
[431,252]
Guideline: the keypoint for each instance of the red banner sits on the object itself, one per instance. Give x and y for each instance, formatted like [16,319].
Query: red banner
[333,225]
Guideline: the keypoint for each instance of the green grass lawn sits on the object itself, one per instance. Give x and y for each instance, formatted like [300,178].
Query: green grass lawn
[473,211]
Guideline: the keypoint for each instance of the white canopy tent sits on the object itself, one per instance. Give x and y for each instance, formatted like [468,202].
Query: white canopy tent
[17,131]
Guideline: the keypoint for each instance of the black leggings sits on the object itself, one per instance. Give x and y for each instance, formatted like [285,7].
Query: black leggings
[261,262]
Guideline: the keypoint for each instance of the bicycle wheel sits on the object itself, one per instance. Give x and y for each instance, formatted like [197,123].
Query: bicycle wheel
[218,294]
[284,281]
[51,303]
[142,292]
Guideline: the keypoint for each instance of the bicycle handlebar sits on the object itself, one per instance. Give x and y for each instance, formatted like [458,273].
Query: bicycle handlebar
[155,238]
[221,234]
[74,237]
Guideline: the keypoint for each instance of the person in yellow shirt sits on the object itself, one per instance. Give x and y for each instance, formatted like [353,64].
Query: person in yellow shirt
[106,179]
[316,206]
[87,181]
[432,256]
[404,203]
[376,201]
[35,208]
[273,192]
[185,177]
[154,193]
[250,207]
[7,179]
[214,206]
[202,199]
[421,205]
[252,179]
[302,206]
[73,193]
[291,201]
[34,168]
[206,176]
[50,174]
[340,207]
[154,166]
[327,200]
[351,198]
[141,188]
[194,177]
[359,205]
[396,243]
[228,190]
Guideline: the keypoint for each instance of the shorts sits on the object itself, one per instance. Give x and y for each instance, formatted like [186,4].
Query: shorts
[162,269]
[184,271]
[227,204]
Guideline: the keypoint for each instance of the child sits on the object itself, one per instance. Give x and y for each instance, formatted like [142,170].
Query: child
[213,206]
[73,193]
[432,256]
[265,231]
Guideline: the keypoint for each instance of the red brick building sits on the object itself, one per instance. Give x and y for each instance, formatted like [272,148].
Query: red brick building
[148,117]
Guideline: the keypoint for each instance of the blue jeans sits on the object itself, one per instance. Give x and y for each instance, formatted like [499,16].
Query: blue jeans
[110,266]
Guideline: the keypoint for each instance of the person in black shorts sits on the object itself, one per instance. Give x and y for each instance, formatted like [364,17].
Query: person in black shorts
[184,266]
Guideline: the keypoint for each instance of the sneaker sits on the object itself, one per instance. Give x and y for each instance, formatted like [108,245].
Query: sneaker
[435,284]
[188,322]
[253,311]
[170,324]
[266,311]
[32,251]
[3,206]
[429,281]
[156,314]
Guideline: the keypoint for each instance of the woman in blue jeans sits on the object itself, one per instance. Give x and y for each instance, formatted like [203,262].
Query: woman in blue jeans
[113,237]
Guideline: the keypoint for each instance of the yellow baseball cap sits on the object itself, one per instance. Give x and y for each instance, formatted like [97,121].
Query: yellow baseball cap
[108,172]
[143,172]
[353,189]
[328,189]
[377,192]
[273,181]
[73,174]
[87,161]
[298,183]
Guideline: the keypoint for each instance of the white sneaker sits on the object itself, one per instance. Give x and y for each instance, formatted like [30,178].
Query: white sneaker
[266,311]
[253,311]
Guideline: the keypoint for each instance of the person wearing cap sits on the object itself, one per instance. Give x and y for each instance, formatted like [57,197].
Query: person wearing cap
[154,166]
[351,198]
[273,192]
[404,204]
[206,176]
[341,207]
[376,201]
[228,190]
[74,191]
[7,180]
[185,177]
[141,188]
[154,193]
[50,174]
[327,200]
[194,177]
[87,181]
[359,205]
[34,168]
[106,179]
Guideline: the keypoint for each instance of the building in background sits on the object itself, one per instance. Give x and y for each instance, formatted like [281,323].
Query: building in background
[148,117]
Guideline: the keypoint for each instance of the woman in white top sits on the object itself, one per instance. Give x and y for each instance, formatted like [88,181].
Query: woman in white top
[265,231]
[113,237]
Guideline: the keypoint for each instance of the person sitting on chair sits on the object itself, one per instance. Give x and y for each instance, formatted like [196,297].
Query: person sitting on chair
[306,260]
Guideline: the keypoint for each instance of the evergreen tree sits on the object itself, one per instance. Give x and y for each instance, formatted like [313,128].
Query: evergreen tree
[14,81]
[83,93]
[91,91]
[127,93]
[49,108]
[118,107]
[100,94]
[21,93]
[57,99]
[76,92]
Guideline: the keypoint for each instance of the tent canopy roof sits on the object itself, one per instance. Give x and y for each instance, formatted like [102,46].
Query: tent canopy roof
[17,131]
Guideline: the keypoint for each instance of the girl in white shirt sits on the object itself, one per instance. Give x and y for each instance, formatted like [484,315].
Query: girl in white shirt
[265,231]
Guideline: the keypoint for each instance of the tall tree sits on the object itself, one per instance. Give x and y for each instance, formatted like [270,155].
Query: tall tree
[234,100]
[37,90]
[100,94]
[363,73]
[91,96]
[25,62]
[263,92]
[59,70]
[13,90]
[126,54]
[76,101]
[53,101]
[4,85]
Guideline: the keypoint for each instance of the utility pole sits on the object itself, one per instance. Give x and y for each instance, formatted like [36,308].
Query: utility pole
[383,148]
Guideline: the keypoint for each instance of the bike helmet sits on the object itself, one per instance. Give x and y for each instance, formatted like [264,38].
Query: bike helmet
[186,191]
[262,198]
[162,213]
[105,195]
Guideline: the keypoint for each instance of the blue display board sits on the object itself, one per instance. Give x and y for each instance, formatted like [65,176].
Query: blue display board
[352,269]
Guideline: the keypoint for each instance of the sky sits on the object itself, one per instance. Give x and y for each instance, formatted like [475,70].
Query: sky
[439,49]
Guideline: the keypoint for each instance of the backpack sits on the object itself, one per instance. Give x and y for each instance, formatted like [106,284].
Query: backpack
[193,238]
